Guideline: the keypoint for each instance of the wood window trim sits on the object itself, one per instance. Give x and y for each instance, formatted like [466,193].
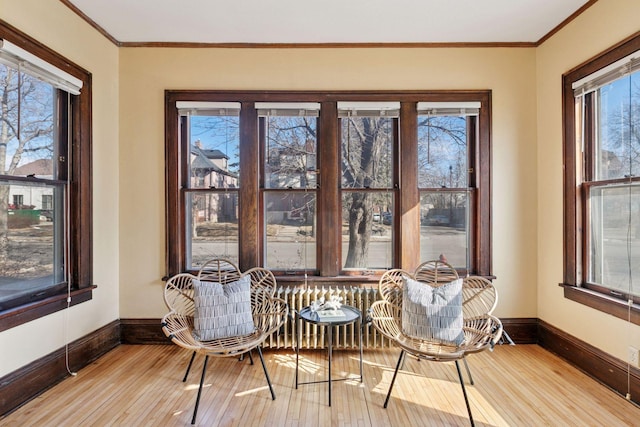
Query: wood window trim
[80,215]
[328,152]
[574,259]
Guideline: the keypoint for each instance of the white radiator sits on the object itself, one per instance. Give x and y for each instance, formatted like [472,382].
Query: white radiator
[313,336]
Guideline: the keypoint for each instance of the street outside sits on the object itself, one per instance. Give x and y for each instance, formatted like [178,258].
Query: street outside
[286,246]
[29,265]
[31,252]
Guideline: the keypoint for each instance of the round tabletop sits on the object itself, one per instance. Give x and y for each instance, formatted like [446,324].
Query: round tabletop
[351,314]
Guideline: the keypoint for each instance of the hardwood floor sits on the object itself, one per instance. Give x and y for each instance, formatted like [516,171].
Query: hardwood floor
[521,385]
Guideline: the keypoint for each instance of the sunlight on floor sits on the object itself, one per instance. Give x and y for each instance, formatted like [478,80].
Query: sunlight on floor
[248,392]
[441,389]
[195,386]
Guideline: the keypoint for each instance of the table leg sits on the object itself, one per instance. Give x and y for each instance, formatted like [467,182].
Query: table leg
[330,345]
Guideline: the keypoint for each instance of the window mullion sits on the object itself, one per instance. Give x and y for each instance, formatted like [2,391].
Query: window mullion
[329,213]
[407,247]
[250,212]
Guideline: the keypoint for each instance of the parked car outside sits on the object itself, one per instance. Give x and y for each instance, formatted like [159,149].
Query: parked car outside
[438,220]
[386,218]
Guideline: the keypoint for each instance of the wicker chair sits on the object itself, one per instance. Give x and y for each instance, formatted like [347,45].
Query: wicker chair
[268,314]
[481,329]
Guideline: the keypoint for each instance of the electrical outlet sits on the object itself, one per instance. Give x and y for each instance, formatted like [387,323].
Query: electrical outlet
[634,357]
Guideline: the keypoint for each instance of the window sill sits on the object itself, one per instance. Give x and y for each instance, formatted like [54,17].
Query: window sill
[25,313]
[613,306]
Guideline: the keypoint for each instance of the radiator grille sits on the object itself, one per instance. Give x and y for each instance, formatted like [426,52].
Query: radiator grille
[313,336]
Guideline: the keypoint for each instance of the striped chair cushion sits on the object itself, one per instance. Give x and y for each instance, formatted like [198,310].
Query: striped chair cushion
[222,311]
[433,313]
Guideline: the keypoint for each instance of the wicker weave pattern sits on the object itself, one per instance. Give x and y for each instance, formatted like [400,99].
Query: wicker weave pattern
[481,329]
[435,273]
[268,312]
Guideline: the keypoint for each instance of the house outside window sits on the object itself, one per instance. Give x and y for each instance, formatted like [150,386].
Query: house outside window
[47,202]
[18,201]
[211,182]
[328,184]
[288,141]
[602,179]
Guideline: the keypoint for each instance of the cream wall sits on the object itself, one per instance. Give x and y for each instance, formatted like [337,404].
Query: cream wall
[146,72]
[55,25]
[603,25]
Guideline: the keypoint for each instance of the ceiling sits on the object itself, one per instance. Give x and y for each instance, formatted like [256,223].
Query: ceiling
[326,21]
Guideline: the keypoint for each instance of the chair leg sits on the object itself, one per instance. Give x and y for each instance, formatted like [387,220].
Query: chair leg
[466,365]
[393,380]
[266,374]
[186,374]
[464,392]
[204,370]
[250,357]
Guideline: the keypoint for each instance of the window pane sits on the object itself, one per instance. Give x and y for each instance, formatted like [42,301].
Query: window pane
[212,227]
[618,141]
[615,238]
[290,230]
[31,240]
[28,124]
[367,232]
[367,156]
[442,151]
[290,152]
[444,227]
[214,152]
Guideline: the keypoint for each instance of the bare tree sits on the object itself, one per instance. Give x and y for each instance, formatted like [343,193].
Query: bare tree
[366,164]
[26,129]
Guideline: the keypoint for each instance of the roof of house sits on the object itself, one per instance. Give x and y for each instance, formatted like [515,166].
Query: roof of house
[214,154]
[203,161]
[40,167]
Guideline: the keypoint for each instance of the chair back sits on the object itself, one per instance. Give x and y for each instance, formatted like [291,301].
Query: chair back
[390,286]
[479,296]
[178,294]
[263,282]
[435,273]
[219,270]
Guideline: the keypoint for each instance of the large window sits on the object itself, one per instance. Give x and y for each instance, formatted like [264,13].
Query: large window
[602,196]
[211,181]
[332,184]
[288,144]
[45,229]
[368,136]
[446,138]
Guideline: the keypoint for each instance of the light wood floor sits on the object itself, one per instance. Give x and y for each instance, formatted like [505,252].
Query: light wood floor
[521,385]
